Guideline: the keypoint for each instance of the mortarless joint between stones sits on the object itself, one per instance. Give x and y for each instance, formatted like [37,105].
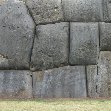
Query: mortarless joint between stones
[55,48]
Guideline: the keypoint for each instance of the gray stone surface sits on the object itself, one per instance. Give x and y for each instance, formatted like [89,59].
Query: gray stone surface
[104,72]
[92,81]
[50,46]
[107,10]
[84,43]
[82,10]
[15,84]
[45,11]
[4,63]
[68,81]
[99,78]
[105,36]
[16,35]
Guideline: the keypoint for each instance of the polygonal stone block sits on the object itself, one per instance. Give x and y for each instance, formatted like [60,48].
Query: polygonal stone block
[63,82]
[45,11]
[84,43]
[15,84]
[92,81]
[16,35]
[105,36]
[104,72]
[50,46]
[82,10]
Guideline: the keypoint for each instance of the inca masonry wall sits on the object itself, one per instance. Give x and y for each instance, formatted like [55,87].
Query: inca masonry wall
[55,48]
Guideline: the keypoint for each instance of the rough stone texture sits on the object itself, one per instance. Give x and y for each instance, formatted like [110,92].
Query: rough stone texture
[64,82]
[92,81]
[107,10]
[104,72]
[15,84]
[16,35]
[54,46]
[82,10]
[84,43]
[50,46]
[105,36]
[45,11]
[3,62]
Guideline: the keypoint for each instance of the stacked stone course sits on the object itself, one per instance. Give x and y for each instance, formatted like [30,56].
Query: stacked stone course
[55,48]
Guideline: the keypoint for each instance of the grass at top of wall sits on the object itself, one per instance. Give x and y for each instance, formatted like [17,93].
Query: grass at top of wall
[56,105]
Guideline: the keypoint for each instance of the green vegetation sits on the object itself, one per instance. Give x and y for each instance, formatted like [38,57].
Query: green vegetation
[56,105]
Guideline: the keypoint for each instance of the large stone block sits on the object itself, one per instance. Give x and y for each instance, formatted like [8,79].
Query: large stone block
[104,72]
[92,81]
[82,10]
[105,36]
[15,84]
[45,11]
[107,10]
[50,46]
[99,78]
[16,35]
[63,82]
[84,43]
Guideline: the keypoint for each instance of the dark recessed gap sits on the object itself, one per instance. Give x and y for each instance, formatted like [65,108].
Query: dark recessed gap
[69,43]
[31,51]
[96,88]
[99,29]
[97,70]
[30,13]
[86,81]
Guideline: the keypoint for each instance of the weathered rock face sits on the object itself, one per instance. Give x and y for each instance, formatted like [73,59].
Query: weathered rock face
[45,11]
[107,10]
[50,46]
[49,35]
[93,81]
[16,35]
[99,78]
[15,84]
[105,36]
[82,10]
[65,82]
[84,43]
[104,72]
[4,63]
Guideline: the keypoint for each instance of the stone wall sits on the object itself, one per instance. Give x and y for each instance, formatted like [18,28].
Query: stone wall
[55,48]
